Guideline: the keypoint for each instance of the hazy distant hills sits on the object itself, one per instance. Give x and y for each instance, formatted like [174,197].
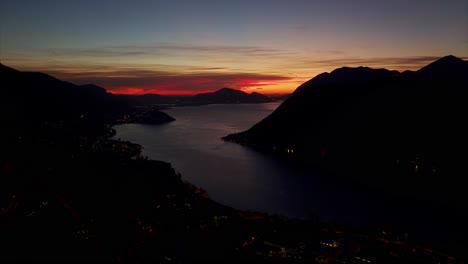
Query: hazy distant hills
[221,96]
[230,96]
[382,128]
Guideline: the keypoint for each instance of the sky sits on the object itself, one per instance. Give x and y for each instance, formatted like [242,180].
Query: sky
[188,46]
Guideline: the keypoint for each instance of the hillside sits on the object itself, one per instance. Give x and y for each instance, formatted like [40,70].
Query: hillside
[397,132]
[32,98]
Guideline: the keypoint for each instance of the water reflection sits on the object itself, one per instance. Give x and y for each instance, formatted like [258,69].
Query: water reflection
[232,174]
[245,179]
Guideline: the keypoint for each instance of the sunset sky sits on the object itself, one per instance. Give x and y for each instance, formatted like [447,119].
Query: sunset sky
[185,47]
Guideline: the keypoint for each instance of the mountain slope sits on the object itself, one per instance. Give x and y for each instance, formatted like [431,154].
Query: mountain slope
[30,98]
[447,68]
[36,96]
[381,128]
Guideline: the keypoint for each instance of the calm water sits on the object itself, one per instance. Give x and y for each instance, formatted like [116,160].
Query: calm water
[232,174]
[245,179]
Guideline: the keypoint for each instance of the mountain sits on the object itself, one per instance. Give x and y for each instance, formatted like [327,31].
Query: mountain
[93,90]
[222,96]
[30,98]
[447,68]
[36,96]
[230,96]
[400,133]
[145,99]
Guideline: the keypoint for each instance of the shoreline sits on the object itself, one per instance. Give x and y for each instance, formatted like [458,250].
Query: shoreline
[248,215]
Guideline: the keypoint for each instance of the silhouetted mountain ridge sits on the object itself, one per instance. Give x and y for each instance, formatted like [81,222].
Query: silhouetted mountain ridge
[449,68]
[33,97]
[228,95]
[221,96]
[6,69]
[93,89]
[38,96]
[360,122]
[145,99]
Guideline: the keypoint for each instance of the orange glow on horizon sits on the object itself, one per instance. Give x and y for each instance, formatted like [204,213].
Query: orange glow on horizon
[182,81]
[195,84]
[273,89]
[142,91]
[139,91]
[284,85]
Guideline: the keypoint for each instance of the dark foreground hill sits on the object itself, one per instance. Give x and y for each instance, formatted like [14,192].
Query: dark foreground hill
[402,133]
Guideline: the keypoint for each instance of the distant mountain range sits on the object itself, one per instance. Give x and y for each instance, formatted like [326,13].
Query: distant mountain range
[401,132]
[221,96]
[230,96]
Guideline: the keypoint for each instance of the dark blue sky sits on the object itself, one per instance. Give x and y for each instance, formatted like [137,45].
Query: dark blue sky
[275,44]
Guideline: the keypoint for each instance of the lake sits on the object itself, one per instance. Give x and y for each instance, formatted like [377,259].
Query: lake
[245,179]
[232,174]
